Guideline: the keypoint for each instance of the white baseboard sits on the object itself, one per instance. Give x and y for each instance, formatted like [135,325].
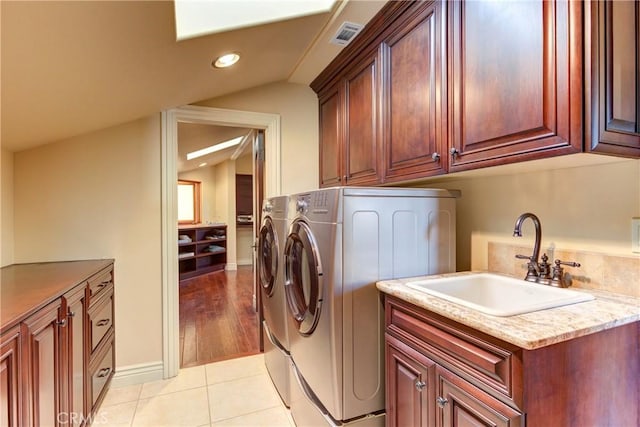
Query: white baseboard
[231,266]
[137,374]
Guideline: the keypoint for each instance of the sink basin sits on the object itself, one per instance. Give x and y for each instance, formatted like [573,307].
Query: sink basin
[498,295]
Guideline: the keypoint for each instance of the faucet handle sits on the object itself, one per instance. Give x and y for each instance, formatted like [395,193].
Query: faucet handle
[532,268]
[558,273]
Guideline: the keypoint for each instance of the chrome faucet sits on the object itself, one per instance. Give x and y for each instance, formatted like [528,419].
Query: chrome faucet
[532,265]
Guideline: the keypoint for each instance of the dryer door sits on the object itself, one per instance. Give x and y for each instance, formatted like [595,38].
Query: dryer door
[303,277]
[268,256]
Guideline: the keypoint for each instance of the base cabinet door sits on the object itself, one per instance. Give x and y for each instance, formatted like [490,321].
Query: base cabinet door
[410,386]
[10,384]
[463,405]
[44,337]
[76,356]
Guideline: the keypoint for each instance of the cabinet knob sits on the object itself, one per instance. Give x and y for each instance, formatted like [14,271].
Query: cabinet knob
[454,152]
[420,385]
[71,313]
[61,322]
[435,157]
[441,401]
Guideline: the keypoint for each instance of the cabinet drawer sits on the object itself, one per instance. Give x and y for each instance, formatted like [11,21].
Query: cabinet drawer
[492,366]
[100,320]
[100,283]
[100,375]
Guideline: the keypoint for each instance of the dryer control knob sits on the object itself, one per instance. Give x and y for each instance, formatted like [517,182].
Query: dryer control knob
[267,208]
[301,205]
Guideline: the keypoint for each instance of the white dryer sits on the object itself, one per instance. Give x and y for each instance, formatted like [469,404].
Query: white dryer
[341,241]
[270,266]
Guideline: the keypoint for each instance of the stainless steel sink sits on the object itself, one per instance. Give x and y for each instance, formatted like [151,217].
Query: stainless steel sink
[498,295]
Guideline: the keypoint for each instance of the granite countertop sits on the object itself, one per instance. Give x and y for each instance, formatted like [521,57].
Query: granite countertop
[531,330]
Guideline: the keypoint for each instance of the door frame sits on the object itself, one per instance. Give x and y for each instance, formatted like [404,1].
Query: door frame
[169,215]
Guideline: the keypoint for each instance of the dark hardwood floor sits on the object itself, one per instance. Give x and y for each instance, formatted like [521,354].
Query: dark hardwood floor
[217,319]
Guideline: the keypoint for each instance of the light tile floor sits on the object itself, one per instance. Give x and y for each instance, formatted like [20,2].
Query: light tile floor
[236,392]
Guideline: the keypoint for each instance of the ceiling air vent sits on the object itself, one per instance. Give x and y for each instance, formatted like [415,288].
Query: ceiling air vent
[346,33]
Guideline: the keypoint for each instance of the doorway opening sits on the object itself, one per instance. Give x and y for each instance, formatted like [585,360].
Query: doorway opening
[270,123]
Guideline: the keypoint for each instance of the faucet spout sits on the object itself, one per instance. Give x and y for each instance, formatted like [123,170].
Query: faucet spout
[517,232]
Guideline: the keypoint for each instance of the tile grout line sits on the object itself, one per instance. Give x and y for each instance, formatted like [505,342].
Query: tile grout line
[206,381]
[135,410]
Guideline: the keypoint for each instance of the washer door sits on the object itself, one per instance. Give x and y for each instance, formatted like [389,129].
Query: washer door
[268,256]
[303,277]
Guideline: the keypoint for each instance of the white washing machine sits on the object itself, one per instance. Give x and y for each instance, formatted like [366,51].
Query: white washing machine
[341,241]
[273,233]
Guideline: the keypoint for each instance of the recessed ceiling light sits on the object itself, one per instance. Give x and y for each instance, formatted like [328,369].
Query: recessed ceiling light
[202,164]
[226,60]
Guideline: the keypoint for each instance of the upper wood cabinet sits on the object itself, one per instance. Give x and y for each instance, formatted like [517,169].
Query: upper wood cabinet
[515,81]
[330,139]
[361,155]
[377,100]
[349,133]
[413,99]
[613,78]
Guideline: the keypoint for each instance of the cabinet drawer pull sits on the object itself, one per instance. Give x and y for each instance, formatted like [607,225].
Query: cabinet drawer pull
[103,372]
[441,401]
[61,322]
[102,322]
[454,152]
[420,385]
[103,284]
[435,157]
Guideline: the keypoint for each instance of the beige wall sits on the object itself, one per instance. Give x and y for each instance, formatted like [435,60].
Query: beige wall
[582,208]
[6,208]
[298,108]
[98,196]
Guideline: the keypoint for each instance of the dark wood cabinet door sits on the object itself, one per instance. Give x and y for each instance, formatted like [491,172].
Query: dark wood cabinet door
[613,94]
[330,137]
[10,382]
[410,382]
[362,148]
[76,355]
[46,359]
[414,95]
[464,405]
[515,80]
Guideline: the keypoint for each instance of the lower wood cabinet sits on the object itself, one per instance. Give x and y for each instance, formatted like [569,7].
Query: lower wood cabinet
[50,374]
[46,353]
[11,385]
[411,387]
[440,373]
[421,393]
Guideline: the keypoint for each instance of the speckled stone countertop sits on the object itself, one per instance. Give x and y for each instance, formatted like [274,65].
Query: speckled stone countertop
[531,330]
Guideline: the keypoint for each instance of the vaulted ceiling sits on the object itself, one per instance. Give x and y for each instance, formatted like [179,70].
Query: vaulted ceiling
[71,67]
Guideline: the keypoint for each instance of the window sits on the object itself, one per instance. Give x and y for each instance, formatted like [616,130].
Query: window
[188,202]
